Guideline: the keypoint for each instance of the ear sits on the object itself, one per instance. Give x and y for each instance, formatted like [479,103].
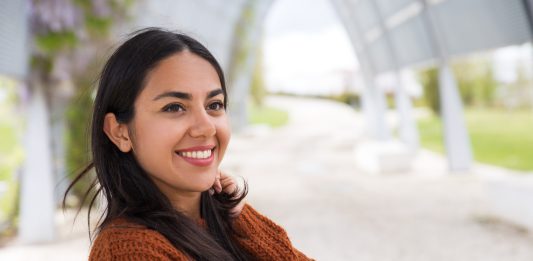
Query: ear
[117,132]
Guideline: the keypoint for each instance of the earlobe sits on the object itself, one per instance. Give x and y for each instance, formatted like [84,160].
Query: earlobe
[117,132]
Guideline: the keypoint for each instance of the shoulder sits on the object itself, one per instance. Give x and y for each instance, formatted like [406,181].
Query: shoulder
[263,238]
[251,219]
[125,240]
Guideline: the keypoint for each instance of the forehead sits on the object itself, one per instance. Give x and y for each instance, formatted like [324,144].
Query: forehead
[184,72]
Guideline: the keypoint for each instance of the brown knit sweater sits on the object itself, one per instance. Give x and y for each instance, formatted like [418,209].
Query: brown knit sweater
[123,240]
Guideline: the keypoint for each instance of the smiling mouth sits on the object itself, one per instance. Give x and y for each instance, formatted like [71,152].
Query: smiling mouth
[196,154]
[200,156]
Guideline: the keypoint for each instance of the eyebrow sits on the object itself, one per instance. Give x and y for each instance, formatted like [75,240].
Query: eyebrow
[186,96]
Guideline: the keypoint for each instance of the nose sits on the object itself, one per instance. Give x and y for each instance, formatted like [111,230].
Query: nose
[202,125]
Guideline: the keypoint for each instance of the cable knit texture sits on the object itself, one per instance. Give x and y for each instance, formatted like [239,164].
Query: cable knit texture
[124,240]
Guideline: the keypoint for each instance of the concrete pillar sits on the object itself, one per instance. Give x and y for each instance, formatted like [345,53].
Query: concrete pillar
[37,207]
[247,41]
[407,131]
[373,99]
[455,132]
[456,138]
[380,128]
[407,128]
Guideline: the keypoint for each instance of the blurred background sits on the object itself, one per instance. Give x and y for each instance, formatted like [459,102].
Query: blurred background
[369,129]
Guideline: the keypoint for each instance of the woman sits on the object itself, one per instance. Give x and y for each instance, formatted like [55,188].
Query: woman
[159,133]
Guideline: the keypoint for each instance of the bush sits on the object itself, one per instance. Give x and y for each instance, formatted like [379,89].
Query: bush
[430,83]
[351,99]
[257,88]
[78,133]
[475,80]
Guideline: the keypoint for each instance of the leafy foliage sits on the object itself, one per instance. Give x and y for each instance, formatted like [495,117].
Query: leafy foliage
[257,88]
[430,82]
[77,140]
[67,36]
[475,80]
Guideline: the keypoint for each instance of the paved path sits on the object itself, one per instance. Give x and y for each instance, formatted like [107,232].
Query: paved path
[304,177]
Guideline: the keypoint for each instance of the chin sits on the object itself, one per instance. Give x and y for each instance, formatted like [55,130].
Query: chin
[205,184]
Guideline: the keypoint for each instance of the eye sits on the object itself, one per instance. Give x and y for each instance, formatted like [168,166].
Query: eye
[216,106]
[173,107]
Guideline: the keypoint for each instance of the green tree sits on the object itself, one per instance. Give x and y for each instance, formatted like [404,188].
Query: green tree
[64,53]
[257,88]
[429,79]
[475,79]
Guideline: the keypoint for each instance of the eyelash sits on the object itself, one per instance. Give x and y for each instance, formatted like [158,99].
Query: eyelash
[219,103]
[175,107]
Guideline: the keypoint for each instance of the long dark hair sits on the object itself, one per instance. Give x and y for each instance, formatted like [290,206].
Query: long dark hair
[127,189]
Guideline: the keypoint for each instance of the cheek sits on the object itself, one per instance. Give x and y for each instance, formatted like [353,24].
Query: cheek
[223,135]
[152,134]
[154,140]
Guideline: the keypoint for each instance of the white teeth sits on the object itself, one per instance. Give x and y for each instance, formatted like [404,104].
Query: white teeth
[203,154]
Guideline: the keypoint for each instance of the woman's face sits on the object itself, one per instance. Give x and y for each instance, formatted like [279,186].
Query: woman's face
[180,130]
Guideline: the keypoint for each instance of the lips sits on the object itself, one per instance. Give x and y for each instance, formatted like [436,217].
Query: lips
[197,148]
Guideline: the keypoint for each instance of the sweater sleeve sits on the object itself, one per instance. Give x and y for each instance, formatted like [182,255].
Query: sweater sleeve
[133,244]
[265,239]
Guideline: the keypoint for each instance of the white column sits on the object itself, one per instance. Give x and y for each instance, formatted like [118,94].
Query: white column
[456,137]
[407,128]
[37,207]
[373,99]
[408,131]
[248,36]
[381,130]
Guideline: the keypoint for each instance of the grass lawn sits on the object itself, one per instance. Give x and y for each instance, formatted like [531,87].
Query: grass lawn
[267,115]
[499,137]
[10,157]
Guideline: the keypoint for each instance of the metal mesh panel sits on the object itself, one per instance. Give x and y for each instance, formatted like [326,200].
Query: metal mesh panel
[475,25]
[13,38]
[365,15]
[380,56]
[205,20]
[390,7]
[465,26]
[411,43]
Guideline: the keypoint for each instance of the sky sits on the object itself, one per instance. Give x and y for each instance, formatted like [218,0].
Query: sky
[306,48]
[307,51]
[508,59]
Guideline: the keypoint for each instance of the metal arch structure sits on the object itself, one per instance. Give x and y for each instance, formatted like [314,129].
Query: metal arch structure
[373,100]
[37,206]
[459,26]
[390,35]
[393,34]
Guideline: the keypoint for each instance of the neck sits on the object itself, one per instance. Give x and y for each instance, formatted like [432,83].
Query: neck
[187,203]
